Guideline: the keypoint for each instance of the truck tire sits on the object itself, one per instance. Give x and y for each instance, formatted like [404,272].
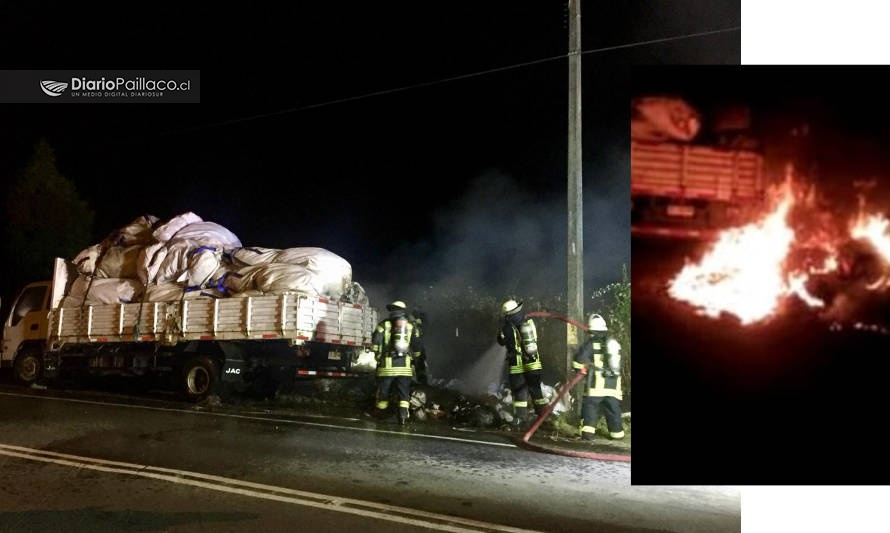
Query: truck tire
[200,377]
[28,367]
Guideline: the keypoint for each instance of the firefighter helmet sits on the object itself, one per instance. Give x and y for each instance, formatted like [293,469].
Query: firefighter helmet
[397,305]
[596,323]
[511,307]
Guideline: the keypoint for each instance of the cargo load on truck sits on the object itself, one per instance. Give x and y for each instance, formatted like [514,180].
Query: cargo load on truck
[663,118]
[185,299]
[187,257]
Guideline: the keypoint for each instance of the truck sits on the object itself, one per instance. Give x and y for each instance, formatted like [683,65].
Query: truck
[194,345]
[681,188]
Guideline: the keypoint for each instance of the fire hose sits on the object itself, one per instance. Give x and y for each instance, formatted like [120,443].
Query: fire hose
[573,453]
[563,318]
[549,409]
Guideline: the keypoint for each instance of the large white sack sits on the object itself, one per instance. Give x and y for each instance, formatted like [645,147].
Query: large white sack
[78,287]
[86,259]
[242,280]
[105,290]
[170,292]
[149,262]
[208,234]
[202,264]
[281,277]
[254,255]
[218,278]
[166,231]
[174,265]
[274,277]
[137,232]
[662,118]
[333,272]
[119,262]
[312,258]
[164,292]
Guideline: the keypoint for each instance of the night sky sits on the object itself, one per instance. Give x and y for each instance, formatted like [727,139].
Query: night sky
[428,182]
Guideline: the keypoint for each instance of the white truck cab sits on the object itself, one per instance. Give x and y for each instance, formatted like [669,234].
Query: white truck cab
[25,332]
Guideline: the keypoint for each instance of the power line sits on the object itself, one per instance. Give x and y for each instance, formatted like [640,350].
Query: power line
[456,78]
[662,40]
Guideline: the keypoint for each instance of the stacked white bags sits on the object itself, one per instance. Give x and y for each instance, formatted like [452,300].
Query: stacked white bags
[663,118]
[188,257]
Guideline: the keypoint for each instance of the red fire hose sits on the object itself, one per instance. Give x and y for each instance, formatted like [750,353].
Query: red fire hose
[562,391]
[573,453]
[554,315]
[549,409]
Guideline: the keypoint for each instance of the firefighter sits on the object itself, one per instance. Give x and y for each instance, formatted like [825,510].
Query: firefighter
[421,374]
[599,358]
[395,342]
[520,338]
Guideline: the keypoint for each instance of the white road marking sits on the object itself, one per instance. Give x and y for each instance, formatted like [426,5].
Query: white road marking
[402,515]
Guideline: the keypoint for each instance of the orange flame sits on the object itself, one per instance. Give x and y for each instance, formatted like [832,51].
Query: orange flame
[751,270]
[873,228]
[742,274]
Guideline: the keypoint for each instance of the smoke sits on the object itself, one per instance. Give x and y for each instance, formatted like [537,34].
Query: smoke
[482,371]
[502,240]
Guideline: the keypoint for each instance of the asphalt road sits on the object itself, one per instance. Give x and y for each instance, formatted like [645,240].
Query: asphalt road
[781,402]
[79,461]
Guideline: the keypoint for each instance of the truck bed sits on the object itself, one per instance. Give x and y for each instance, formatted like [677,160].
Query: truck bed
[686,171]
[293,316]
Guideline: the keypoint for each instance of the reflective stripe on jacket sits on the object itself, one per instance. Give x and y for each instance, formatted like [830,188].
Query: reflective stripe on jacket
[592,355]
[512,339]
[389,361]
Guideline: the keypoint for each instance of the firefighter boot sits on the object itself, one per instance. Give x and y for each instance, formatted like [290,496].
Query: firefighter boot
[520,416]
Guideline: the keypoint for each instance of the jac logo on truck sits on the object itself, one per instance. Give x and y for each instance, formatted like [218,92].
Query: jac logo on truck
[233,371]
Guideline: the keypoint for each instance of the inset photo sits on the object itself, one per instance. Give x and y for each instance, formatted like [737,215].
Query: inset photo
[760,244]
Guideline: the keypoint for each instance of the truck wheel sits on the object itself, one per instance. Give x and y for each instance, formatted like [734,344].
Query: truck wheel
[199,378]
[28,367]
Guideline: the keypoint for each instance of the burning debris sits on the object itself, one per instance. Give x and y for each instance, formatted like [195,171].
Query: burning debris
[796,251]
[495,409]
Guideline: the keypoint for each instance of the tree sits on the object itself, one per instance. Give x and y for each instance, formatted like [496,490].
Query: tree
[619,316]
[46,218]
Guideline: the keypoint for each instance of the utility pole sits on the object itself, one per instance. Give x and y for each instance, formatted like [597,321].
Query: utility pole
[574,296]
